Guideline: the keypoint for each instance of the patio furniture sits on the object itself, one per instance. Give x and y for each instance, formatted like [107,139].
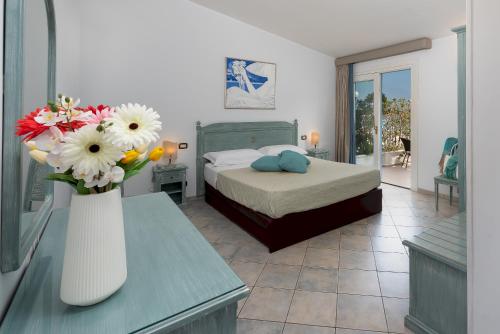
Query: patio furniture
[407,154]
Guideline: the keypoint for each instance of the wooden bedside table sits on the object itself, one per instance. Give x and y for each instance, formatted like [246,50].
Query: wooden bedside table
[172,180]
[318,153]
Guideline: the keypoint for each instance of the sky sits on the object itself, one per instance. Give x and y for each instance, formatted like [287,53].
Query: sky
[394,85]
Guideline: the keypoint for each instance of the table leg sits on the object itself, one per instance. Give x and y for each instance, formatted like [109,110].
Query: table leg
[436,194]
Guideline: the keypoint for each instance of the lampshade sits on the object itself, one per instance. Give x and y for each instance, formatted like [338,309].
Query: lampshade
[315,138]
[170,150]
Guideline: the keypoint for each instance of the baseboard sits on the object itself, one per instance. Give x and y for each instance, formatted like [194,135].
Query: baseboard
[417,326]
[441,195]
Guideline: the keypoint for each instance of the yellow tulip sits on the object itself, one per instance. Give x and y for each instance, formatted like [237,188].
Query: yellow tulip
[39,156]
[156,153]
[130,156]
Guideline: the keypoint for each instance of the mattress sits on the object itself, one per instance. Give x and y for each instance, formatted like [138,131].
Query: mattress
[277,194]
[211,172]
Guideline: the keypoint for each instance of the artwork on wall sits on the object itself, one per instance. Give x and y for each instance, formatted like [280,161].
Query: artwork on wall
[250,84]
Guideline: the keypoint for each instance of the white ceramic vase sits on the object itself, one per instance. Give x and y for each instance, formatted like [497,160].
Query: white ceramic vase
[95,264]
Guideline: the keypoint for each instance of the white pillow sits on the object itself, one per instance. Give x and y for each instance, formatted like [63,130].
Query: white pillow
[233,157]
[277,149]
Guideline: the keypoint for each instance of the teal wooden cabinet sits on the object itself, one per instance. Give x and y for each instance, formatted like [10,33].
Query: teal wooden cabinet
[171,179]
[177,283]
[438,278]
[319,153]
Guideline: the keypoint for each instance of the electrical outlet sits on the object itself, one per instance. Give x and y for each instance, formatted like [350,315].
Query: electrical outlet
[183,146]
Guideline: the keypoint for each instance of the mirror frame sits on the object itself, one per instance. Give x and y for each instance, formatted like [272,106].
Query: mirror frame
[14,246]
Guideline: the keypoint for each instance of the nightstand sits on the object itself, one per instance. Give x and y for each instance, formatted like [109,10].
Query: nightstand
[172,180]
[318,153]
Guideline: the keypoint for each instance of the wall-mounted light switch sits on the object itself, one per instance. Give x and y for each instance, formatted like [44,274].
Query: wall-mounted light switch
[303,137]
[183,146]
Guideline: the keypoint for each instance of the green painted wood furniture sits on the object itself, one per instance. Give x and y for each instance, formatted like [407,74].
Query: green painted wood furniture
[177,283]
[21,230]
[438,278]
[462,127]
[172,180]
[232,136]
[319,153]
[446,181]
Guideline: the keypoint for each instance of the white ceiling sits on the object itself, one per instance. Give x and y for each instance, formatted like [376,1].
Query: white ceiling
[342,27]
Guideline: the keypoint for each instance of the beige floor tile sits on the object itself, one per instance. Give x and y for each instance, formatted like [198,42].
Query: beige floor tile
[267,304]
[358,282]
[226,249]
[388,245]
[395,262]
[247,271]
[353,331]
[355,242]
[383,231]
[357,260]
[313,308]
[293,255]
[317,279]
[253,253]
[395,311]
[354,229]
[413,221]
[409,231]
[394,284]
[279,276]
[361,312]
[321,258]
[329,240]
[380,219]
[306,329]
[246,326]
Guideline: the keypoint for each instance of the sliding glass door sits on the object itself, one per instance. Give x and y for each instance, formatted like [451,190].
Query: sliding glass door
[367,119]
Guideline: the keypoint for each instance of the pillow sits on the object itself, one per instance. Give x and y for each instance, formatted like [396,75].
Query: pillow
[268,163]
[277,149]
[232,157]
[293,162]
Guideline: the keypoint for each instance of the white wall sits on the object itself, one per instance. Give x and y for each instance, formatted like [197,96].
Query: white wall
[436,100]
[483,159]
[170,55]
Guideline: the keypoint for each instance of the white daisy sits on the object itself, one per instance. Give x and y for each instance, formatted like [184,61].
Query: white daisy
[114,175]
[88,152]
[133,126]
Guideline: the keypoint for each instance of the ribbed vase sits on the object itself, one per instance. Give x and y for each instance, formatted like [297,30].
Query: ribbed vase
[95,264]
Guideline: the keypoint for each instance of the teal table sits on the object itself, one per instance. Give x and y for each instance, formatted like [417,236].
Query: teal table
[177,283]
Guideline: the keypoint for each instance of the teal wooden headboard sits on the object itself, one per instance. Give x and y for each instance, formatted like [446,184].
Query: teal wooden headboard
[233,136]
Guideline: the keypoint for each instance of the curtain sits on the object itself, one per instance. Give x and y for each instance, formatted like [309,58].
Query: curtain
[343,113]
[352,120]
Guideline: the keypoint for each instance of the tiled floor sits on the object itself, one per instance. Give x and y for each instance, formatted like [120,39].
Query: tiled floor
[397,175]
[353,280]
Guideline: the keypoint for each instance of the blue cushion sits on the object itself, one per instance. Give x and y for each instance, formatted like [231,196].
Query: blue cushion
[267,163]
[293,162]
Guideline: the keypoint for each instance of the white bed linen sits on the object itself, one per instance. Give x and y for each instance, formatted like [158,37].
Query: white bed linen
[211,172]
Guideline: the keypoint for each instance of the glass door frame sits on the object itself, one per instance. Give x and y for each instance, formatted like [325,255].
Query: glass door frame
[376,72]
[377,111]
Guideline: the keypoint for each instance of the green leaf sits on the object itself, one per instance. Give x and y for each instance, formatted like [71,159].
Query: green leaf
[62,178]
[130,173]
[81,189]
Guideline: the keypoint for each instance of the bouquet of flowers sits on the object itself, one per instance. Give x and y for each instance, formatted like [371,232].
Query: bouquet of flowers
[93,149]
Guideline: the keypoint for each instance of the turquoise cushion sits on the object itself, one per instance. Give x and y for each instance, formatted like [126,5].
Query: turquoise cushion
[450,170]
[267,163]
[293,162]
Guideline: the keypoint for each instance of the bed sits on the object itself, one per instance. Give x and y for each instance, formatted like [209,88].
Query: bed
[281,209]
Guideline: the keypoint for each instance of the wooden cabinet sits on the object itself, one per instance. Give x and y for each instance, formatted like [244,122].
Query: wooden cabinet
[319,153]
[171,179]
[176,283]
[438,278]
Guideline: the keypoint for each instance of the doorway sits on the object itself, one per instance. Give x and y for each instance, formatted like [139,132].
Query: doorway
[383,128]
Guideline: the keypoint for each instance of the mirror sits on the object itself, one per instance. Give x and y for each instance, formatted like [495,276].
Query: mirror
[29,82]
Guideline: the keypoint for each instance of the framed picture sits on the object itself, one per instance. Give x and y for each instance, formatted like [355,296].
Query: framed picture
[250,84]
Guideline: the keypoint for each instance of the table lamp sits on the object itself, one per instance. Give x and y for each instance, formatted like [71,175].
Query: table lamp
[315,139]
[170,151]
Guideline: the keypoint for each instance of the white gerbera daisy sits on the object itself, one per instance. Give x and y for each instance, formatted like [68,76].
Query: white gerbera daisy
[133,126]
[88,152]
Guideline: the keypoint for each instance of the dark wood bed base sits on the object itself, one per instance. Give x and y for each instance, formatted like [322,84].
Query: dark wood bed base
[295,227]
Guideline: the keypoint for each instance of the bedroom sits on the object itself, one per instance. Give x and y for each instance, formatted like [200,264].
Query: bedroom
[175,56]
